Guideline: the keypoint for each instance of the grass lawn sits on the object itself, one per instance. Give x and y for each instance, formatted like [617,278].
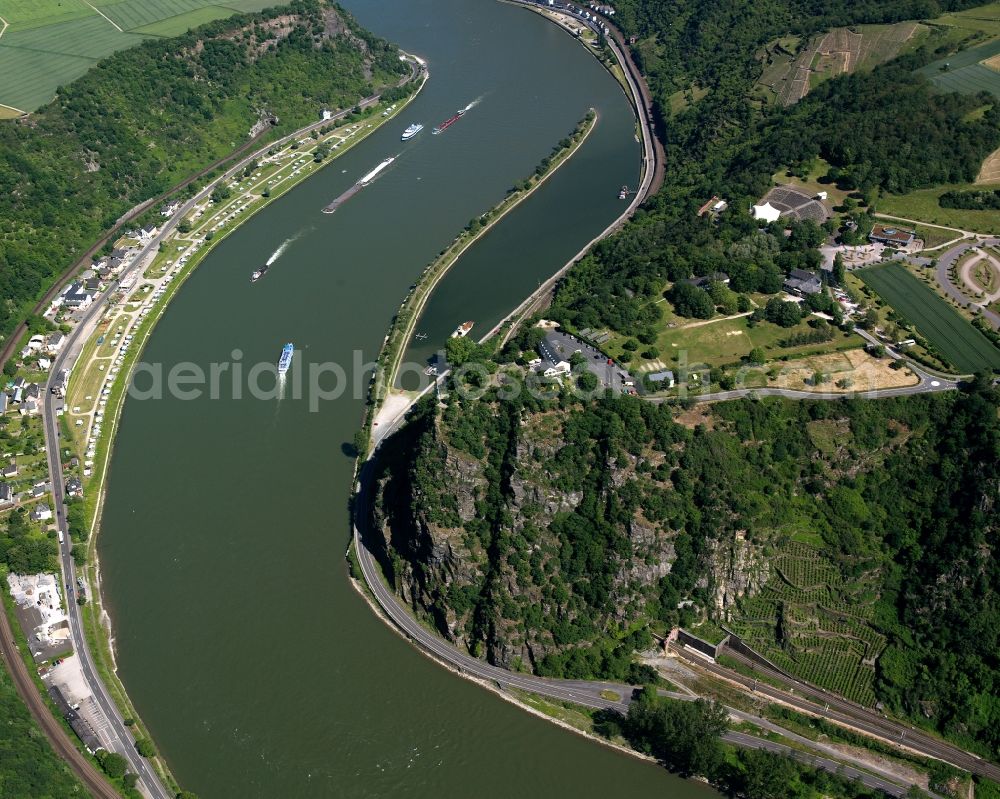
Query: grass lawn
[934,236]
[726,341]
[981,18]
[937,321]
[923,206]
[682,99]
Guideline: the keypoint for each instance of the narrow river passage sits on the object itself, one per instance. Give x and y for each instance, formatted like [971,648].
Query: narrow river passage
[259,670]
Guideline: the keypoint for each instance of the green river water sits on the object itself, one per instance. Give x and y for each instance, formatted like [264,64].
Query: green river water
[258,669]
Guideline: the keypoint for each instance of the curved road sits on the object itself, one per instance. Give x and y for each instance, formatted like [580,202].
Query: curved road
[124,742]
[581,692]
[944,264]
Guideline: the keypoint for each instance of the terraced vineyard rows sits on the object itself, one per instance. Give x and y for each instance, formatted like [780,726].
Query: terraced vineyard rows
[813,624]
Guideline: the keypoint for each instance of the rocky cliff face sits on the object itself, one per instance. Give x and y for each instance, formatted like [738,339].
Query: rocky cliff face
[538,545]
[738,569]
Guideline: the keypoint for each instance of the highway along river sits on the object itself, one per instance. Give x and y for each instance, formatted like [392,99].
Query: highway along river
[259,670]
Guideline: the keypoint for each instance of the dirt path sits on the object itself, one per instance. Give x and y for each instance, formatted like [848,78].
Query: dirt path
[704,322]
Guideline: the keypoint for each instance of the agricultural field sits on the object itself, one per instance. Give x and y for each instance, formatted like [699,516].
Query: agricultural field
[989,172]
[981,21]
[811,622]
[967,71]
[791,69]
[953,336]
[50,42]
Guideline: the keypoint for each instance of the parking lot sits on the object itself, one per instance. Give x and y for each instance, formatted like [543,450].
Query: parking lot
[558,346]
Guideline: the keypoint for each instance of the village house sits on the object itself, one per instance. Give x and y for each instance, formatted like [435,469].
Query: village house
[6,494]
[77,297]
[10,469]
[74,488]
[665,376]
[558,369]
[54,342]
[58,386]
[803,283]
[41,513]
[704,280]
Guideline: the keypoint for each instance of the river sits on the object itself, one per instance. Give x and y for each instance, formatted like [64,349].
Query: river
[258,669]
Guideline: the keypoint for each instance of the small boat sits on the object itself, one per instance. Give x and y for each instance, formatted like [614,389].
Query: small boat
[623,193]
[463,330]
[286,358]
[257,274]
[412,131]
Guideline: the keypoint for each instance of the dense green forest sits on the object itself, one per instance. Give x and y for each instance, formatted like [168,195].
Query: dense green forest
[551,535]
[146,117]
[984,200]
[29,769]
[685,737]
[887,129]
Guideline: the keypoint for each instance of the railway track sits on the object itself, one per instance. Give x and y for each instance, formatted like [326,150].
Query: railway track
[819,702]
[92,779]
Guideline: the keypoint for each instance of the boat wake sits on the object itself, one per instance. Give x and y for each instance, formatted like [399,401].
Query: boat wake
[284,246]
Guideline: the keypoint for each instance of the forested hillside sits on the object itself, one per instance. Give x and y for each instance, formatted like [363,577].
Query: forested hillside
[552,536]
[144,118]
[887,129]
[29,769]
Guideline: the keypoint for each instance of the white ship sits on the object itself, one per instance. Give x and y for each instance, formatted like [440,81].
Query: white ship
[412,131]
[463,330]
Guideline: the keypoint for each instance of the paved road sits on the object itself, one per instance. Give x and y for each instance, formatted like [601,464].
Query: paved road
[64,747]
[124,742]
[818,702]
[947,259]
[581,692]
[928,383]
